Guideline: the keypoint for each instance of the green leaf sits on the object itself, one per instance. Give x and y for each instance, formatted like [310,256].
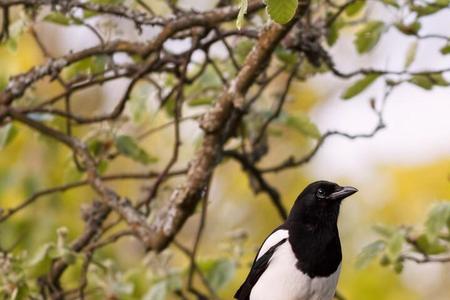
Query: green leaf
[220,273]
[355,7]
[58,18]
[368,37]
[307,69]
[392,3]
[88,66]
[7,134]
[242,12]
[137,104]
[422,81]
[169,106]
[71,172]
[438,79]
[208,80]
[281,11]
[442,2]
[63,250]
[437,219]
[201,101]
[31,184]
[21,291]
[369,253]
[395,245]
[98,64]
[398,267]
[44,252]
[426,10]
[360,85]
[128,147]
[12,45]
[332,35]
[411,54]
[411,29]
[286,56]
[384,230]
[102,166]
[98,147]
[87,14]
[430,247]
[68,256]
[385,261]
[427,81]
[446,49]
[333,32]
[302,123]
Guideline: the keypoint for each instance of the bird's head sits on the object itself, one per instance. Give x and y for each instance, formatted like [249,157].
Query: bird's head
[319,202]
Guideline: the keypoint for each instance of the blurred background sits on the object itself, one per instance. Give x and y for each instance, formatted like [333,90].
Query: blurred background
[399,172]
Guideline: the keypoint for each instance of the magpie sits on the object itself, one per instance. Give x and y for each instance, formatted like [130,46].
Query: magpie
[301,259]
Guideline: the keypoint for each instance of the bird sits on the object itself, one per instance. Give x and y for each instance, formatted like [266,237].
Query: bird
[301,258]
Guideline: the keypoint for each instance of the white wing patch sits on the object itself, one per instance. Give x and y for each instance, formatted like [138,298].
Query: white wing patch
[271,240]
[282,280]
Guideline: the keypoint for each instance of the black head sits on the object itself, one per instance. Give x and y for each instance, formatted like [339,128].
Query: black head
[319,203]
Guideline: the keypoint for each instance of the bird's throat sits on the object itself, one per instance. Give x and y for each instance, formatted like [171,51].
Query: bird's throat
[317,248]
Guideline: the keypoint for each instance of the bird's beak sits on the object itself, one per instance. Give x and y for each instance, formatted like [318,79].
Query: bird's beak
[343,193]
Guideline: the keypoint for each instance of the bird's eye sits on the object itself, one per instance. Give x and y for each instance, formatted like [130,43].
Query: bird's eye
[320,192]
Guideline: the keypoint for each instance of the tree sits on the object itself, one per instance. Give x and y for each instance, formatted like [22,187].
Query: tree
[219,76]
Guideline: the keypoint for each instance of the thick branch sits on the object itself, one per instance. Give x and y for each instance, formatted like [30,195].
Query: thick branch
[217,124]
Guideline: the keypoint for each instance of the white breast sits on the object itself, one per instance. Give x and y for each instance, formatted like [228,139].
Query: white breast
[323,288]
[283,281]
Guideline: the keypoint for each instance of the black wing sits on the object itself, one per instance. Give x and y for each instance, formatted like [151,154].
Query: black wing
[258,268]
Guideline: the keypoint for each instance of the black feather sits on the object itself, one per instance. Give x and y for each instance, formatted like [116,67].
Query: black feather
[258,268]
